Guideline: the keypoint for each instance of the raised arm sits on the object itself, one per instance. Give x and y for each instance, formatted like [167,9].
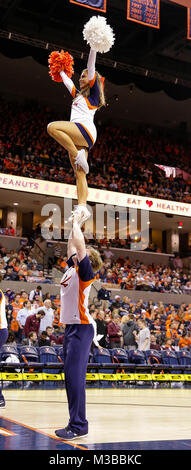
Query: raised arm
[91,64]
[71,249]
[78,241]
[68,83]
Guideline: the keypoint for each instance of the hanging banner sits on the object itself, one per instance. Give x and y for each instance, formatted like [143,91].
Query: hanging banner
[99,5]
[182,3]
[189,23]
[146,12]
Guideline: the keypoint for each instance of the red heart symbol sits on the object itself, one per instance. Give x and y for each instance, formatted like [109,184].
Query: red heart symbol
[149,203]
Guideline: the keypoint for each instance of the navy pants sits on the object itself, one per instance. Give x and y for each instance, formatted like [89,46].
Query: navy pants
[3,339]
[77,344]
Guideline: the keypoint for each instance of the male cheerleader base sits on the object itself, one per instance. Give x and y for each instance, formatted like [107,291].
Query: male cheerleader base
[3,334]
[79,331]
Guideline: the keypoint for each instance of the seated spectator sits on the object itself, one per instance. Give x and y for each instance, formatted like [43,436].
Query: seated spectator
[185,340]
[11,339]
[116,303]
[53,338]
[168,344]
[172,330]
[44,339]
[11,275]
[104,295]
[154,344]
[32,340]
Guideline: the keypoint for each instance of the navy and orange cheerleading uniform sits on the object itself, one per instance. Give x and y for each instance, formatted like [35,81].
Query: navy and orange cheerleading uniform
[84,109]
[78,336]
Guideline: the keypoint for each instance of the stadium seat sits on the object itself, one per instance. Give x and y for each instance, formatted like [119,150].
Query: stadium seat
[48,355]
[153,356]
[137,357]
[29,354]
[184,357]
[59,352]
[6,350]
[169,358]
[102,356]
[119,355]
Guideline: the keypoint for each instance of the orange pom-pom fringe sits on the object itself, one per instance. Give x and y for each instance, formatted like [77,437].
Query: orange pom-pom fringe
[60,61]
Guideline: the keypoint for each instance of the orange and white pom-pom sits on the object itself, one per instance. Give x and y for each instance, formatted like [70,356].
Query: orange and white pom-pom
[59,61]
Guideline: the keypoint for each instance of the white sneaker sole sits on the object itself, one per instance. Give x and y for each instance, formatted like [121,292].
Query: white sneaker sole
[75,437]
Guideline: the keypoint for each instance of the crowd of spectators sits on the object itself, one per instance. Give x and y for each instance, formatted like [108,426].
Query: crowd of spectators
[119,273]
[127,157]
[21,266]
[138,276]
[34,320]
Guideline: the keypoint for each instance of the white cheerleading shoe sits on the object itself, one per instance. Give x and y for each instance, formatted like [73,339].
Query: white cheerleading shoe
[81,161]
[80,215]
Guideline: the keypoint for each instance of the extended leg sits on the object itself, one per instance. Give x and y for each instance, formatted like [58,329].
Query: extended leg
[81,181]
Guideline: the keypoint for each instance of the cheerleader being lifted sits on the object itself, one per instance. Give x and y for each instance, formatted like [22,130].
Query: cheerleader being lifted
[79,134]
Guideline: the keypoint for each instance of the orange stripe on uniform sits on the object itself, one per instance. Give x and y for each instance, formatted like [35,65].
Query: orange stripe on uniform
[82,310]
[73,91]
[90,106]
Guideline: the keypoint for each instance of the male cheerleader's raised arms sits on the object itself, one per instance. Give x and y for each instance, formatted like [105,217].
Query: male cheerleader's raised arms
[79,134]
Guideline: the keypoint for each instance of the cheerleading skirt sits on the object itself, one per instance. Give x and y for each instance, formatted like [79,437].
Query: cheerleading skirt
[89,132]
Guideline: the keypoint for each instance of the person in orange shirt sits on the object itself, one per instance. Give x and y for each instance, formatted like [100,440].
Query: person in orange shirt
[16,305]
[172,332]
[14,326]
[187,316]
[171,317]
[23,296]
[184,341]
[63,263]
[56,321]
[17,266]
[56,301]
